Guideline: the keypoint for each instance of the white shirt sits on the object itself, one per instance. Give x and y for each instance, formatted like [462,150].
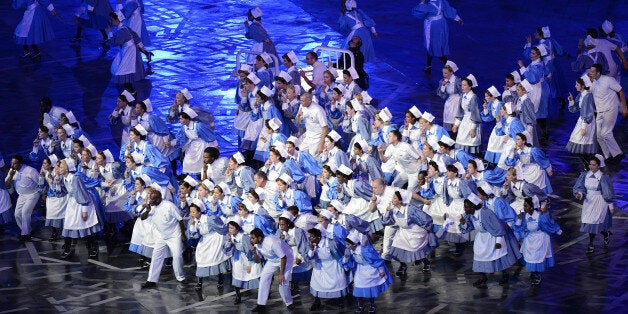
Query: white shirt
[273,249]
[25,180]
[315,120]
[405,156]
[165,218]
[604,91]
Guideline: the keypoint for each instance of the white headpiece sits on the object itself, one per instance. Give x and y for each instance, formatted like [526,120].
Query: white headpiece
[452,65]
[129,97]
[137,157]
[428,116]
[208,184]
[354,74]
[447,140]
[140,128]
[494,92]
[287,215]
[516,76]
[327,214]
[149,105]
[293,57]
[546,31]
[71,164]
[286,178]
[587,80]
[245,68]
[385,115]
[345,170]
[266,91]
[526,85]
[120,16]
[285,76]
[337,205]
[190,112]
[600,158]
[274,124]
[257,12]
[366,98]
[473,80]
[239,158]
[266,57]
[542,50]
[474,199]
[607,26]
[186,93]
[190,180]
[415,112]
[334,135]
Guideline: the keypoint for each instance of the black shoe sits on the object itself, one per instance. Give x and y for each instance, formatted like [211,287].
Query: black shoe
[93,251]
[149,56]
[504,280]
[26,238]
[149,285]
[428,69]
[315,306]
[359,310]
[590,249]
[427,267]
[184,281]
[237,300]
[53,237]
[290,307]
[401,271]
[66,254]
[372,309]
[199,286]
[480,284]
[259,308]
[36,56]
[607,239]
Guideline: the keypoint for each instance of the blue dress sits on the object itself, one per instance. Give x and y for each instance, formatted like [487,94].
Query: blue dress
[357,23]
[436,32]
[35,26]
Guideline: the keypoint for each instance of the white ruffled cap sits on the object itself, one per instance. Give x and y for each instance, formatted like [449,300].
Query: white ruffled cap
[190,180]
[474,199]
[71,164]
[140,128]
[452,65]
[337,205]
[186,93]
[129,97]
[257,12]
[239,158]
[494,92]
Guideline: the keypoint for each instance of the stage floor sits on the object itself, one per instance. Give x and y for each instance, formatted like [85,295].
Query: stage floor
[195,45]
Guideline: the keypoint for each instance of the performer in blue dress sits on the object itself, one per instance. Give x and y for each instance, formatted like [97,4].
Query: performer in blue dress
[436,32]
[256,31]
[582,141]
[535,228]
[35,27]
[356,23]
[92,14]
[127,68]
[370,274]
[596,189]
[495,248]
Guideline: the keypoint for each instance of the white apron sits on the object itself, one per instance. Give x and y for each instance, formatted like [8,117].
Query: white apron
[124,63]
[484,245]
[409,237]
[194,148]
[536,246]
[594,206]
[24,27]
[451,104]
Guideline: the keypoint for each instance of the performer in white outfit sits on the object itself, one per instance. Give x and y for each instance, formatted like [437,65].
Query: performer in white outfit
[278,256]
[316,129]
[605,90]
[24,179]
[169,234]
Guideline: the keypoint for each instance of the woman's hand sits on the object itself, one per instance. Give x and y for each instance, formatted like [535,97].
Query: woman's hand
[84,216]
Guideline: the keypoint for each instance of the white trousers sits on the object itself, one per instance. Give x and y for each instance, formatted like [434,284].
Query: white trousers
[389,234]
[24,210]
[605,123]
[266,279]
[160,252]
[402,178]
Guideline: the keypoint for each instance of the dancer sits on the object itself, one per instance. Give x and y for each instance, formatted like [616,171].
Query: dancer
[436,32]
[35,27]
[596,189]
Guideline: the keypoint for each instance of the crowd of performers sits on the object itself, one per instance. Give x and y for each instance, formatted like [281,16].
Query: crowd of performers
[322,175]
